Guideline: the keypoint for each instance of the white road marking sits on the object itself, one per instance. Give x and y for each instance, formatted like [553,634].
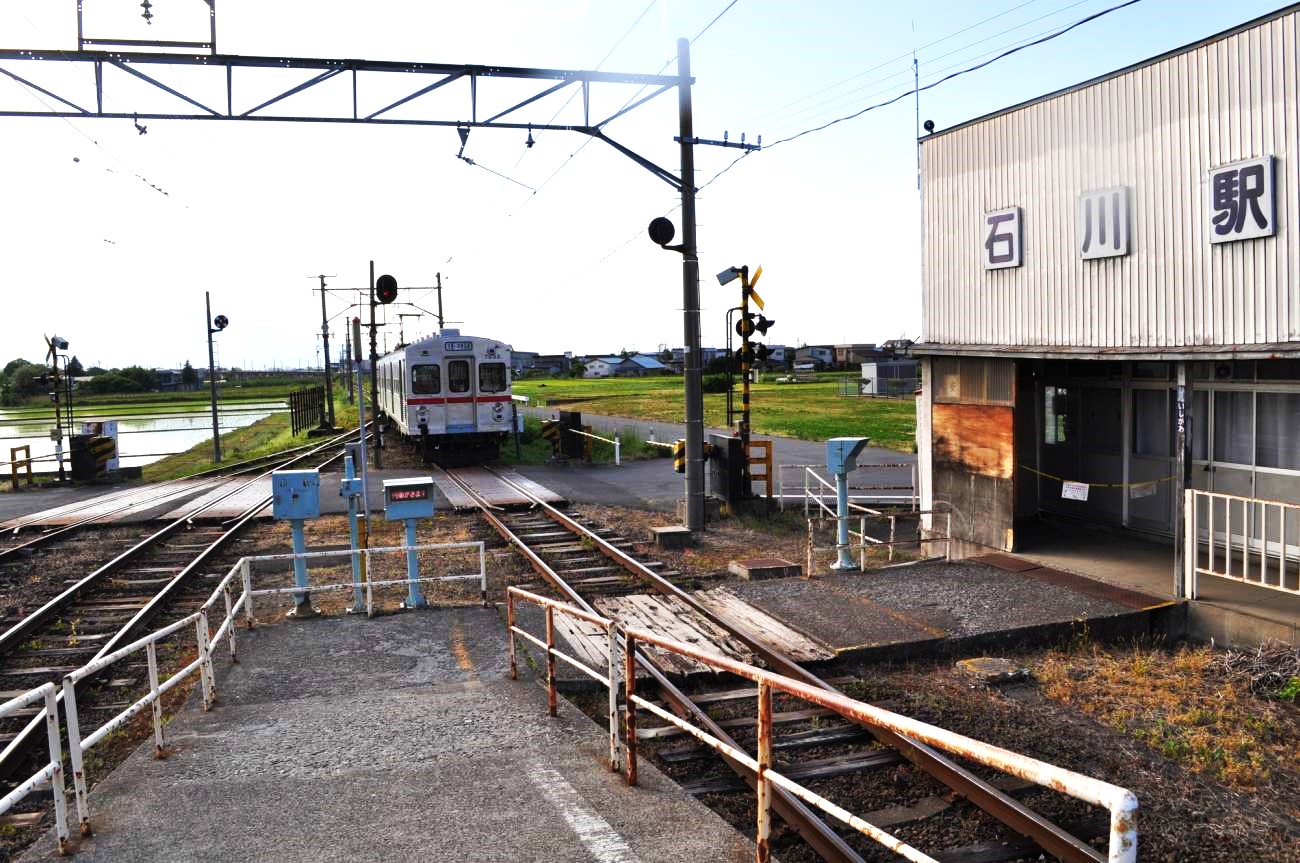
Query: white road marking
[595,832]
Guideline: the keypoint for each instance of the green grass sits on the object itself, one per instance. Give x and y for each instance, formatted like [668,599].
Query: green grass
[811,411]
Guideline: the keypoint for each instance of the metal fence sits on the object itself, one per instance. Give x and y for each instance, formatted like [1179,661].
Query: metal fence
[306,408]
[52,771]
[1119,802]
[1243,539]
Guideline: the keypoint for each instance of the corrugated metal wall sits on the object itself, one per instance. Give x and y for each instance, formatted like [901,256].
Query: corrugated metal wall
[1156,130]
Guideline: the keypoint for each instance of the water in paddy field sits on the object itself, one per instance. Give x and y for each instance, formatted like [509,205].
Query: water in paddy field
[146,433]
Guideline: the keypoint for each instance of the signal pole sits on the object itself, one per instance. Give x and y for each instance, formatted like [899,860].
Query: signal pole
[440,302]
[374,373]
[212,379]
[690,299]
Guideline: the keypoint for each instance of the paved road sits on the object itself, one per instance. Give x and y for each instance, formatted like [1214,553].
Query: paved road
[653,484]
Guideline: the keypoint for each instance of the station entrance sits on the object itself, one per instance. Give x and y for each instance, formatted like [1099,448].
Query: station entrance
[1096,440]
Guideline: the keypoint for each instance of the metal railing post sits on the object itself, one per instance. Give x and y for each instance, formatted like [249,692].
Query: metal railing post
[617,463]
[892,534]
[915,491]
[151,651]
[1189,543]
[611,639]
[246,571]
[764,786]
[510,634]
[205,661]
[862,544]
[629,690]
[809,551]
[947,545]
[56,768]
[482,570]
[552,702]
[75,755]
[230,624]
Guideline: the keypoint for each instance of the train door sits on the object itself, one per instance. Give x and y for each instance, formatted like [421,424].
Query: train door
[460,396]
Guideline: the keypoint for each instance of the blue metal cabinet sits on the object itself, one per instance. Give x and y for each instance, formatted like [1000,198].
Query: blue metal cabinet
[296,494]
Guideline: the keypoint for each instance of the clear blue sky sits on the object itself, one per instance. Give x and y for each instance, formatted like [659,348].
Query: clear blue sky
[253,209]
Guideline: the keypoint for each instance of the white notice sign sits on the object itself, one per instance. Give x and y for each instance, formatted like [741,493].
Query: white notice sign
[1074,491]
[1241,201]
[1002,239]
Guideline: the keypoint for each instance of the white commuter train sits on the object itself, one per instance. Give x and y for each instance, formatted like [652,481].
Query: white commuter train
[450,395]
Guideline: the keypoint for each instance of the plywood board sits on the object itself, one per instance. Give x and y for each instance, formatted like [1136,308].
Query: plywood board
[763,627]
[978,438]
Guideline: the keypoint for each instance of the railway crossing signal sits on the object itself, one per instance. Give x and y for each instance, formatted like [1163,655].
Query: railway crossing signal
[386,289]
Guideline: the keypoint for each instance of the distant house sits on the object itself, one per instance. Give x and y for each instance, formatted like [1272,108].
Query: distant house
[522,361]
[170,379]
[817,356]
[847,355]
[635,366]
[555,364]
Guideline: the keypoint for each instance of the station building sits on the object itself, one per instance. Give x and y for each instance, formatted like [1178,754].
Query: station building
[1112,281]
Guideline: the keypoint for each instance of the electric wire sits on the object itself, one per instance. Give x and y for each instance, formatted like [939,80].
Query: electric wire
[927,60]
[965,71]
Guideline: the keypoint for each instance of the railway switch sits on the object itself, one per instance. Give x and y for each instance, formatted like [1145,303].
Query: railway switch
[409,500]
[296,498]
[842,457]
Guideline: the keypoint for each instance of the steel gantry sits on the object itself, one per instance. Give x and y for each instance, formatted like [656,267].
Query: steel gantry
[107,59]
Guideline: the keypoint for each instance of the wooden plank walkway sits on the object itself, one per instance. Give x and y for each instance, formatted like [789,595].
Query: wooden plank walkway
[493,489]
[673,618]
[259,489]
[116,506]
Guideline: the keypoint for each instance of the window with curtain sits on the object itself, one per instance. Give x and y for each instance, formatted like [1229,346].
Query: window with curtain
[1234,427]
[1277,430]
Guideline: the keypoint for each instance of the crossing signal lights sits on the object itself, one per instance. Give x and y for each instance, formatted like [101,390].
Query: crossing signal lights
[761,353]
[385,289]
[221,322]
[750,323]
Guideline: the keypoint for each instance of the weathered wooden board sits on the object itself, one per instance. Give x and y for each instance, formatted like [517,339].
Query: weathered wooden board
[978,438]
[763,627]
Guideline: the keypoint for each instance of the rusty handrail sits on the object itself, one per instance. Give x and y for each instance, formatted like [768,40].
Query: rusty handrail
[1120,802]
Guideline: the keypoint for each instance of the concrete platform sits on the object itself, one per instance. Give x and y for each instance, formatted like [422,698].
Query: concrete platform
[393,739]
[914,608]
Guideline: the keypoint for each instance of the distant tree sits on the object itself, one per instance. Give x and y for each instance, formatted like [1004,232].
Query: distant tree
[189,377]
[75,369]
[146,378]
[111,382]
[26,380]
[718,365]
[576,368]
[624,354]
[13,364]
[95,370]
[665,356]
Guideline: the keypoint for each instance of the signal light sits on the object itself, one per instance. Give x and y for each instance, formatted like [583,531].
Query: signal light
[745,325]
[221,322]
[761,353]
[763,324]
[385,289]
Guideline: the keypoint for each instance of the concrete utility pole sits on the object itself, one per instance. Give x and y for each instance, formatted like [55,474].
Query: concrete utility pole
[325,345]
[690,299]
[439,302]
[374,373]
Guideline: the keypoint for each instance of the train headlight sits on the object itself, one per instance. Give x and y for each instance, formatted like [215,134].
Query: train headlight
[422,415]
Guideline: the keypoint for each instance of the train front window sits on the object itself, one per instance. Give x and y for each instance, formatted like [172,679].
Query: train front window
[425,380]
[492,377]
[458,376]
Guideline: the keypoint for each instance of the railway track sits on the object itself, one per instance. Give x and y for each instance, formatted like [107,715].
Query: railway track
[156,580]
[579,563]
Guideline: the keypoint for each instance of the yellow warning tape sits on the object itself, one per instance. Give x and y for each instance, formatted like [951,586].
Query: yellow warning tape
[1045,475]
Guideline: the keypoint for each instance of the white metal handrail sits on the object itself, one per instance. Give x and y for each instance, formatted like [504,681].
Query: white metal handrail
[822,489]
[52,771]
[866,540]
[1120,802]
[226,608]
[1245,534]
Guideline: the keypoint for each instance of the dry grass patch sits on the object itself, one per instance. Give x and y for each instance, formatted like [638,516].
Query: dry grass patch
[1177,702]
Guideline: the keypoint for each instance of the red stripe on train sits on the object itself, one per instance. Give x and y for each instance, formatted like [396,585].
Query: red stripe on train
[457,400]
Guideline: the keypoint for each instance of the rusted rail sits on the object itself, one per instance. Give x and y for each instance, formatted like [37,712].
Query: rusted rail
[1119,802]
[828,844]
[1015,815]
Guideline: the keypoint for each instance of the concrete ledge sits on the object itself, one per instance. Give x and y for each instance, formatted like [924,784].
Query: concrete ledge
[672,536]
[759,568]
[1227,626]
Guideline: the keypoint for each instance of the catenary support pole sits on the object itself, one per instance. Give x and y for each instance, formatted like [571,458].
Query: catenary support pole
[690,299]
[325,347]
